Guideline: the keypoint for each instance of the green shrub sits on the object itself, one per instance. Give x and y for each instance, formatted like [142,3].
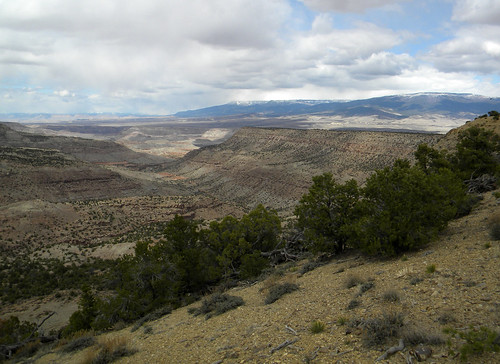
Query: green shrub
[86,314]
[12,330]
[431,268]
[325,214]
[317,327]
[476,341]
[252,265]
[277,291]
[476,153]
[405,208]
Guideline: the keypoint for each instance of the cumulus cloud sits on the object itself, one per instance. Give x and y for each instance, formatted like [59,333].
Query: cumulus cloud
[348,6]
[475,45]
[472,50]
[477,11]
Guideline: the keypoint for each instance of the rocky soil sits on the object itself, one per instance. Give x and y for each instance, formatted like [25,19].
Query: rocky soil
[464,290]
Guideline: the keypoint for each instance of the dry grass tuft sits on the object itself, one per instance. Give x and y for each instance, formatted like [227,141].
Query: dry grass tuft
[109,350]
[353,280]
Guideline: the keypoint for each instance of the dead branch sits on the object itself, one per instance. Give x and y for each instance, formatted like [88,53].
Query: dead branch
[344,352]
[481,184]
[280,255]
[283,345]
[392,350]
[291,330]
[41,323]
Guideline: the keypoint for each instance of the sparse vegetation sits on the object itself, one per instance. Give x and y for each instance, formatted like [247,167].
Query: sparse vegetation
[446,318]
[365,287]
[277,291]
[353,280]
[495,227]
[377,331]
[421,336]
[354,303]
[391,295]
[475,341]
[341,321]
[309,266]
[217,304]
[431,268]
[108,351]
[79,343]
[152,316]
[317,327]
[25,278]
[415,280]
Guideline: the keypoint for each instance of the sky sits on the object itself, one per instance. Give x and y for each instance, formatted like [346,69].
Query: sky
[159,57]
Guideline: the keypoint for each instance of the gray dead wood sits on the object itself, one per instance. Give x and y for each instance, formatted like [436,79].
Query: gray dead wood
[283,345]
[279,256]
[291,330]
[392,350]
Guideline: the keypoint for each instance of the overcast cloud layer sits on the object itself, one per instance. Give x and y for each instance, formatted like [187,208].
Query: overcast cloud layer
[159,57]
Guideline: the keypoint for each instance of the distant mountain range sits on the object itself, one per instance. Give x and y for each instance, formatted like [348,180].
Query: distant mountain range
[397,107]
[386,107]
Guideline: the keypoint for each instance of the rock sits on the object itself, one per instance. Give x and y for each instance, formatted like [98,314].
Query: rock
[422,353]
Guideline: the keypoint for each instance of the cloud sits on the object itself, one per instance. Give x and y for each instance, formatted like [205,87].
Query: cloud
[471,50]
[153,56]
[347,6]
[477,11]
[474,45]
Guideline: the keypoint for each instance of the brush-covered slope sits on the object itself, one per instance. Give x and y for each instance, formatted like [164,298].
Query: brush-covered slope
[275,166]
[462,291]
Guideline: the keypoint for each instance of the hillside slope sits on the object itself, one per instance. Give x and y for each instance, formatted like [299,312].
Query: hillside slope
[464,290]
[275,166]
